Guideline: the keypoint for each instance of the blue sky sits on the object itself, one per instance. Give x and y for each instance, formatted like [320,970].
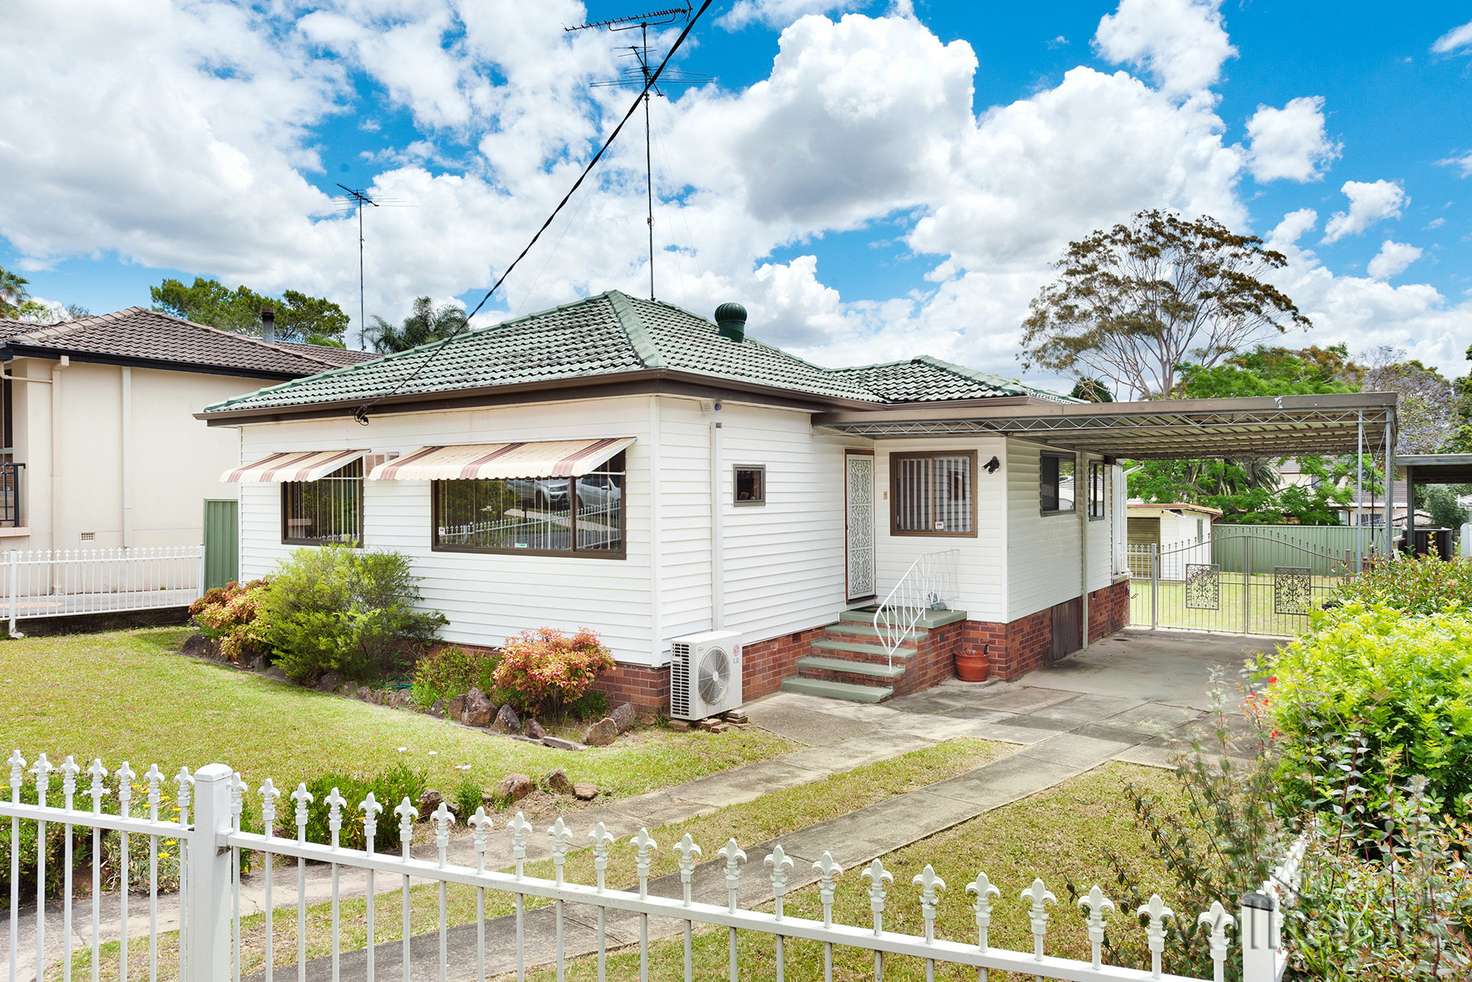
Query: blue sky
[872,179]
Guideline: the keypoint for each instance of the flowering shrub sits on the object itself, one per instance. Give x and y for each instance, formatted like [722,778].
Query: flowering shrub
[229,616]
[448,672]
[1426,585]
[1404,683]
[545,670]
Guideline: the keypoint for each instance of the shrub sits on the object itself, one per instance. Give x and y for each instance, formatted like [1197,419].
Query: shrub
[337,609]
[1426,585]
[389,788]
[229,616]
[467,798]
[1403,683]
[546,671]
[448,672]
[1384,891]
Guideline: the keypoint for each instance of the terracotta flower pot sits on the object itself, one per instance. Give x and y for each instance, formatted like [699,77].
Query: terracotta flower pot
[972,666]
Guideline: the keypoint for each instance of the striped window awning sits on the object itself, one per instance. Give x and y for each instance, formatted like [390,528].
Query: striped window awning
[292,465]
[502,461]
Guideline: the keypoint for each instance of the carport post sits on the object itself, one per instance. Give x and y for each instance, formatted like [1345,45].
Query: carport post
[1389,490]
[1081,481]
[1359,491]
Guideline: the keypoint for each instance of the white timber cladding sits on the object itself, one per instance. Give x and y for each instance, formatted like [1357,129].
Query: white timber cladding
[1042,554]
[783,560]
[485,597]
[982,567]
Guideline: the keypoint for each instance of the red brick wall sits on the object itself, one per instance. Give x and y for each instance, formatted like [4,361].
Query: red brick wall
[1109,610]
[934,660]
[764,664]
[647,688]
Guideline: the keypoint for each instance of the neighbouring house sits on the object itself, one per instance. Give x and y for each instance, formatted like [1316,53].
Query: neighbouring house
[100,447]
[630,466]
[1370,509]
[1169,526]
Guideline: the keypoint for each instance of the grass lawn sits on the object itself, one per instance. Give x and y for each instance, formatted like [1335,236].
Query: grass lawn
[773,814]
[1060,835]
[128,695]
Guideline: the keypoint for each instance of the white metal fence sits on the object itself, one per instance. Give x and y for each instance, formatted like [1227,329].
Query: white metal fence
[63,582]
[211,841]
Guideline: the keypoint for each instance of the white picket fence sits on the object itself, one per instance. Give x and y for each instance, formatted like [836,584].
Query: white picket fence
[210,846]
[65,582]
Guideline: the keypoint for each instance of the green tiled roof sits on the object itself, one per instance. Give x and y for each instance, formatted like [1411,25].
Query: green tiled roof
[612,334]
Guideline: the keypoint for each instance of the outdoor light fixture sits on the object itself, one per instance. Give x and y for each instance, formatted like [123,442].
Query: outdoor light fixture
[992,465]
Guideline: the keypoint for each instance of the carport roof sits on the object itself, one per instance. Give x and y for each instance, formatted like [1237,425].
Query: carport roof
[1437,468]
[1281,426]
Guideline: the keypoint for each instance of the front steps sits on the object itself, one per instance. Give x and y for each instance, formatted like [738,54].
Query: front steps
[848,661]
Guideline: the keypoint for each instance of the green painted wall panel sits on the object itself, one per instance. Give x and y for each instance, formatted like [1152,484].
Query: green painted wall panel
[221,541]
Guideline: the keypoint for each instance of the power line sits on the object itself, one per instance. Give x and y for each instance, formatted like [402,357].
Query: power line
[361,414]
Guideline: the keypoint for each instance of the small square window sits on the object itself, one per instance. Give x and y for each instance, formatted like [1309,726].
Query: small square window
[749,484]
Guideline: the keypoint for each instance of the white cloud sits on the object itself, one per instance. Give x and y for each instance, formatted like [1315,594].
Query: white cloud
[778,14]
[1292,227]
[1392,259]
[1463,163]
[1454,40]
[1290,143]
[1369,202]
[199,156]
[1182,43]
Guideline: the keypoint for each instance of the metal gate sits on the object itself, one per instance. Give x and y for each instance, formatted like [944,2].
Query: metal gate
[1258,580]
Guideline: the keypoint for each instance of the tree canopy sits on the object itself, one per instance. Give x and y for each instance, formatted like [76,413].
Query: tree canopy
[1134,302]
[425,323]
[1426,411]
[299,317]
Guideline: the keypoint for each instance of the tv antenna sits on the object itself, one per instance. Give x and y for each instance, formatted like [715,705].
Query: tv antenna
[361,198]
[638,76]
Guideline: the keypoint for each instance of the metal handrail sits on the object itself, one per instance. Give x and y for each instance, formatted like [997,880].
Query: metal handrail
[928,584]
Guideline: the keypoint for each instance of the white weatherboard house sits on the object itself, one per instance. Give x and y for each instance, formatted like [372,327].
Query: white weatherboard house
[628,466]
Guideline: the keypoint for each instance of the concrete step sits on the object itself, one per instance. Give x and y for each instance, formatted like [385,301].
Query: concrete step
[837,690]
[843,666]
[930,619]
[844,645]
[865,631]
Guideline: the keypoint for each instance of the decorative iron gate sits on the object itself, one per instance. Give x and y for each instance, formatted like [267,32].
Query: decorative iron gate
[1258,580]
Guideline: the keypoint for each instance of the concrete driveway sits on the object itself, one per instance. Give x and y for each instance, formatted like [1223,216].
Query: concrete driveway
[1138,696]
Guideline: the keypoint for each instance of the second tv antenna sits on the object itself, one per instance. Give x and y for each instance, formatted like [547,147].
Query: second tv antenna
[638,76]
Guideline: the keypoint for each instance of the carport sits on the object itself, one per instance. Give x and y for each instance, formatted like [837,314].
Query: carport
[1362,423]
[1437,468]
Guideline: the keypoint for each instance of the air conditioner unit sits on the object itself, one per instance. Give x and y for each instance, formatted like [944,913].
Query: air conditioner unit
[705,674]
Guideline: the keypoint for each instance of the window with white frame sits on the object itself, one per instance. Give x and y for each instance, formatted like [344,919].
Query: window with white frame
[326,511]
[1056,483]
[932,493]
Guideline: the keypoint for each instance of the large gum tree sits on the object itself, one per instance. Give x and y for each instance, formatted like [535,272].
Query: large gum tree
[1133,303]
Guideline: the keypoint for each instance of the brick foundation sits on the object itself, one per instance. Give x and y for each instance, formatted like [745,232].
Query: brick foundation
[646,687]
[1014,649]
[764,664]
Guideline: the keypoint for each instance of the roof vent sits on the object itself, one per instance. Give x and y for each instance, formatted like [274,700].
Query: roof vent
[268,324]
[731,319]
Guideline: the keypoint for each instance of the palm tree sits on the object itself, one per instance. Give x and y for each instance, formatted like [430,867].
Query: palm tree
[13,293]
[427,323]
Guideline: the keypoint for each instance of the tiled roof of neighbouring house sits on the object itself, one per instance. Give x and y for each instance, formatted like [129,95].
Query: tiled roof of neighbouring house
[612,334]
[138,334]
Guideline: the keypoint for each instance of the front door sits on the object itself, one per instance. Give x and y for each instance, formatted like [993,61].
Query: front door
[858,493]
